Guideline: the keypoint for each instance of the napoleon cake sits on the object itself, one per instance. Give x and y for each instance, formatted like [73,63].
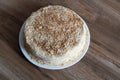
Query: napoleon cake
[54,35]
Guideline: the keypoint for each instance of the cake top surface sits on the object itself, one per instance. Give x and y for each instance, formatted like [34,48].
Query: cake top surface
[53,29]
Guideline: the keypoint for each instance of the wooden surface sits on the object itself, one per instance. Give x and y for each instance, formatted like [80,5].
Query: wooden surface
[102,61]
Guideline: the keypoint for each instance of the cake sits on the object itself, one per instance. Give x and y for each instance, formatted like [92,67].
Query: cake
[54,35]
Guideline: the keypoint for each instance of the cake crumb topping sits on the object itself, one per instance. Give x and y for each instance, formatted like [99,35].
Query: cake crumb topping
[55,30]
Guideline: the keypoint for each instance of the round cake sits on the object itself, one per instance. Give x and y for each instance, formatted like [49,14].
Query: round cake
[54,35]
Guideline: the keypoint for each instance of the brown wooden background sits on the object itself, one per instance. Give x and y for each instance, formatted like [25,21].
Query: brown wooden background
[102,61]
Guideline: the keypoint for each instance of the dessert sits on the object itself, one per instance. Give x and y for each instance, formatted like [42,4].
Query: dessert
[54,35]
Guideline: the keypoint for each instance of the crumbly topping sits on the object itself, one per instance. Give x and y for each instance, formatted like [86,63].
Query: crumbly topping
[54,29]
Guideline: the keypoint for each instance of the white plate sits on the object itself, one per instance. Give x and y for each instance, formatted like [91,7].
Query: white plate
[21,44]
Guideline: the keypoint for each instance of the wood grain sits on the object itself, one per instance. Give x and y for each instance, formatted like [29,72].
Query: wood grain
[102,61]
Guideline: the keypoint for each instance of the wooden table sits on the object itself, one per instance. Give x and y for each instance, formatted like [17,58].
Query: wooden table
[102,61]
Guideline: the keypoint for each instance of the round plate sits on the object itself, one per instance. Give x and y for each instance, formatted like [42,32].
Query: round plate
[21,44]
